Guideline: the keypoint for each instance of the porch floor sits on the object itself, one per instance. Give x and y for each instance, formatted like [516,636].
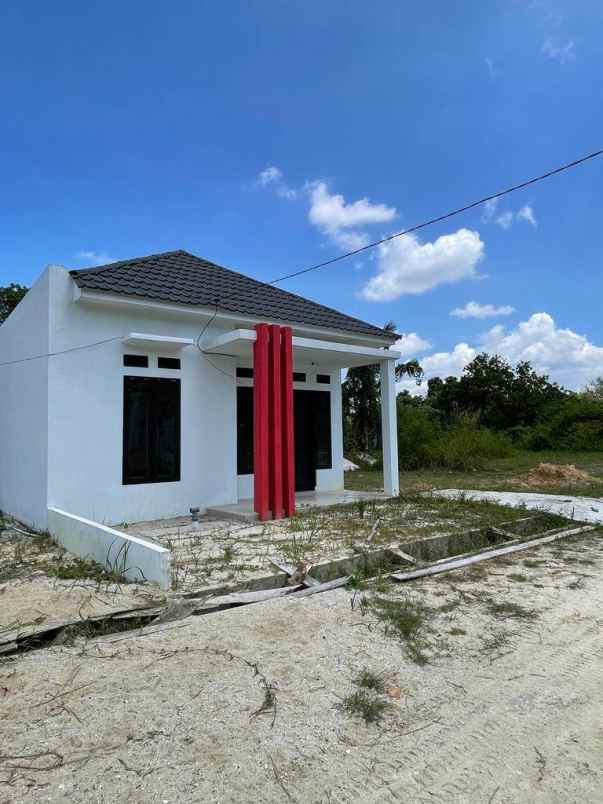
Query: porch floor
[242,511]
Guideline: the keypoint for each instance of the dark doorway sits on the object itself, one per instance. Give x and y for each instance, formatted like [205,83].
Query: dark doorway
[312,414]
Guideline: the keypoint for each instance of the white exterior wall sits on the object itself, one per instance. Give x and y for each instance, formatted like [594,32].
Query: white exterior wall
[86,414]
[61,417]
[24,408]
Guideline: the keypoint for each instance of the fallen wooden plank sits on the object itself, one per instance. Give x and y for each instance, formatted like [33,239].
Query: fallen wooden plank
[512,539]
[322,587]
[458,563]
[243,598]
[401,554]
[373,530]
[292,571]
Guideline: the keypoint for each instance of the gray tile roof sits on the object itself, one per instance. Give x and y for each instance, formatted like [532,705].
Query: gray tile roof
[183,278]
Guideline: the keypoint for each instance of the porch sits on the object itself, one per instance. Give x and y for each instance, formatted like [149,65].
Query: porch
[289,429]
[243,511]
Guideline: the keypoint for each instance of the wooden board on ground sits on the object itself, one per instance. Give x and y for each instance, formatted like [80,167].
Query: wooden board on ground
[458,563]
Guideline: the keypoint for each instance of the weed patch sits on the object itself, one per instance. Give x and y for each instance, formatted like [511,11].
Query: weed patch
[369,707]
[369,680]
[407,620]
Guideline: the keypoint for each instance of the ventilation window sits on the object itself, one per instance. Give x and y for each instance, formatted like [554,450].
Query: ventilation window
[136,361]
[299,376]
[245,373]
[168,362]
[325,379]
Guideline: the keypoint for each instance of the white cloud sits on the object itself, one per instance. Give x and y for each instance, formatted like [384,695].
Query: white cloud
[506,219]
[341,221]
[566,356]
[406,265]
[411,344]
[475,310]
[273,177]
[526,213]
[560,53]
[95,257]
[270,175]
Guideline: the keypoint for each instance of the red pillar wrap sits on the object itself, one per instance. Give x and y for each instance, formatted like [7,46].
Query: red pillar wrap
[260,422]
[288,445]
[275,461]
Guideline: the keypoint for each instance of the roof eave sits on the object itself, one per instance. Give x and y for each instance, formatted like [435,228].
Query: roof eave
[83,294]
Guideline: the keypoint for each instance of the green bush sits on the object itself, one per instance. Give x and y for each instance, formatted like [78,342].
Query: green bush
[466,446]
[575,424]
[419,435]
[424,443]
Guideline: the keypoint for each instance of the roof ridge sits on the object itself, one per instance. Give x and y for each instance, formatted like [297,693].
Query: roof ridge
[124,263]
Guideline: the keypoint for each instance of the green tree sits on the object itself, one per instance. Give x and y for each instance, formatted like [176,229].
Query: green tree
[500,395]
[10,296]
[362,403]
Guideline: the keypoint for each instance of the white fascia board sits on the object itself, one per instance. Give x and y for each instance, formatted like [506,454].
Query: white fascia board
[141,340]
[239,342]
[116,299]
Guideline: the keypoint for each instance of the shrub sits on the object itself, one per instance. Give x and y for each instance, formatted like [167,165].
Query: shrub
[576,424]
[424,443]
[419,434]
[467,446]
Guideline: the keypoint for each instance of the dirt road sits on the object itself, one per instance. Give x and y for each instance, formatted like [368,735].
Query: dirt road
[245,706]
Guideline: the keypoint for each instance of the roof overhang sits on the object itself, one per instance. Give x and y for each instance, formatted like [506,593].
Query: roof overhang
[330,354]
[156,343]
[173,310]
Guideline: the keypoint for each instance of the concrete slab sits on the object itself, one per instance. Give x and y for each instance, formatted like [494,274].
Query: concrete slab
[243,510]
[582,509]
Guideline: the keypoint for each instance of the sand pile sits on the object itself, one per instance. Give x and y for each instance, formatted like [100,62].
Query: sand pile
[554,474]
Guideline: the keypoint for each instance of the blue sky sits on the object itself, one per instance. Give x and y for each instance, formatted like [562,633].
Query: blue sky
[268,136]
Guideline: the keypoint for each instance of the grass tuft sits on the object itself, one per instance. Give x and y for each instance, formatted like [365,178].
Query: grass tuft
[366,705]
[407,620]
[370,681]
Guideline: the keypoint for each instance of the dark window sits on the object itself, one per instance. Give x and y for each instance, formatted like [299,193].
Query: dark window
[136,361]
[299,376]
[323,428]
[168,362]
[151,449]
[246,373]
[244,431]
[323,378]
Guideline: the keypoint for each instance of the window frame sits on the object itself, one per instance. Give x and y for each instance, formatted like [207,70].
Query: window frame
[152,405]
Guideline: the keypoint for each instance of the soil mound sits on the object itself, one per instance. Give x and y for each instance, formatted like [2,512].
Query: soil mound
[553,474]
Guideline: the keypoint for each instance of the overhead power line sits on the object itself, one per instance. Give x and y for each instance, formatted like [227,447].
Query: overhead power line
[444,217]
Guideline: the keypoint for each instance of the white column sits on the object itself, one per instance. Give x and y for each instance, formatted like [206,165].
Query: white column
[389,427]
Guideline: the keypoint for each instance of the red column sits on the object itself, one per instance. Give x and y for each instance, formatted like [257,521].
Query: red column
[288,445]
[260,423]
[274,420]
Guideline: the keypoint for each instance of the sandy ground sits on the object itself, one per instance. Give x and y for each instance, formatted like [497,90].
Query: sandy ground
[507,710]
[32,598]
[582,509]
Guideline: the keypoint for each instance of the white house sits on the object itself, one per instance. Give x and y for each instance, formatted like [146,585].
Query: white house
[127,392]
